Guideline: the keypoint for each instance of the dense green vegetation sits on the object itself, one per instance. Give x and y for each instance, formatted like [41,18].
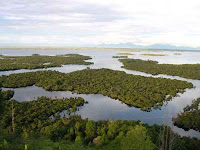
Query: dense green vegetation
[30,125]
[38,143]
[5,95]
[75,133]
[40,61]
[153,54]
[39,125]
[120,57]
[190,118]
[51,124]
[31,116]
[190,71]
[138,91]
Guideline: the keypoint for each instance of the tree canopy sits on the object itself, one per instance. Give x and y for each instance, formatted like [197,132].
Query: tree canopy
[190,71]
[190,118]
[138,91]
[41,61]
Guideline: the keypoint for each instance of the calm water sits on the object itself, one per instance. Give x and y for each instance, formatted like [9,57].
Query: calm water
[102,107]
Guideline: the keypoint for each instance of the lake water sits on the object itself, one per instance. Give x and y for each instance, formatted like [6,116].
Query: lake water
[102,107]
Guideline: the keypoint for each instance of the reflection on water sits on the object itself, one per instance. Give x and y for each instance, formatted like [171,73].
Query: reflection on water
[102,107]
[103,58]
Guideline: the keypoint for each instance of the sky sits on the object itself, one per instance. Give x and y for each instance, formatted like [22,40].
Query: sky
[89,22]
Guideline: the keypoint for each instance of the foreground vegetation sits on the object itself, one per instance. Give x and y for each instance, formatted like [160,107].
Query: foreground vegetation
[190,118]
[190,71]
[31,116]
[138,91]
[4,96]
[40,61]
[29,125]
[136,137]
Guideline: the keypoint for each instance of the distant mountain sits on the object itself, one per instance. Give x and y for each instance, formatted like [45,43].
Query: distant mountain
[154,46]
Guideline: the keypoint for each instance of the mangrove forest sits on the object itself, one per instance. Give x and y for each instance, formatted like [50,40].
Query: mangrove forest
[138,91]
[190,71]
[32,125]
[41,61]
[190,117]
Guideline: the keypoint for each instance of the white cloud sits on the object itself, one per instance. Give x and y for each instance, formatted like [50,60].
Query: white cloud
[37,40]
[13,18]
[107,21]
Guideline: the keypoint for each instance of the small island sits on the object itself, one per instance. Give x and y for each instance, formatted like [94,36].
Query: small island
[37,61]
[189,71]
[189,118]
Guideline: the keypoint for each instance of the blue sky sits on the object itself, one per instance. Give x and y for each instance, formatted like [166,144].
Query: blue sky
[85,22]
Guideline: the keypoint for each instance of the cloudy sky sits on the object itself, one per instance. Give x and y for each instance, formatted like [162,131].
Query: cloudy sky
[83,22]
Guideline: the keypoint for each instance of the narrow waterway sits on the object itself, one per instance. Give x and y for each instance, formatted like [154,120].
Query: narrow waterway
[102,107]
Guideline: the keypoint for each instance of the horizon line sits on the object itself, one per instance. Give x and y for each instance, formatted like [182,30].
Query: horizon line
[45,47]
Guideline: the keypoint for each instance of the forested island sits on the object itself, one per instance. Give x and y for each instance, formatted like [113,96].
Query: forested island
[190,71]
[138,91]
[32,125]
[37,61]
[190,118]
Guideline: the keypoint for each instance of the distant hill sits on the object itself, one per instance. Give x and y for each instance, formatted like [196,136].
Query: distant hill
[104,46]
[154,46]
